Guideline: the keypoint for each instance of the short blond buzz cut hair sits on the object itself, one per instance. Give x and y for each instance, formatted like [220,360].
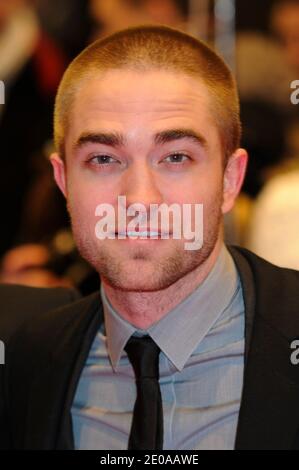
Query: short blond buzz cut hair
[149,48]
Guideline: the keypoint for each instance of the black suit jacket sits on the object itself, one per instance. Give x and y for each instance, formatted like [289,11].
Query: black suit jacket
[18,302]
[46,357]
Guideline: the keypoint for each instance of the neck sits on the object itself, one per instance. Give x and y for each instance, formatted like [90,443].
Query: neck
[142,309]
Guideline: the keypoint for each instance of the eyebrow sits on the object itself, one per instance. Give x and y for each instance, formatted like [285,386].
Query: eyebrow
[115,139]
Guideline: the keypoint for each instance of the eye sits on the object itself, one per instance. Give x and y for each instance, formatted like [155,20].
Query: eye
[177,158]
[102,160]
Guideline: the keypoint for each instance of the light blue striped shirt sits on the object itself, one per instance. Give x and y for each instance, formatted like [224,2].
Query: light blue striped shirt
[201,370]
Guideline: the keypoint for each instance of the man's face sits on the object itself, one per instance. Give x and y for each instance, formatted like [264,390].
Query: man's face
[145,169]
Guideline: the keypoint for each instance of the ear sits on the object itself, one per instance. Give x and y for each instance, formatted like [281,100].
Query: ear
[233,178]
[59,170]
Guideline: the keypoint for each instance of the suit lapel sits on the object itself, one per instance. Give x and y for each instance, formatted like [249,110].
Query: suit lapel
[269,413]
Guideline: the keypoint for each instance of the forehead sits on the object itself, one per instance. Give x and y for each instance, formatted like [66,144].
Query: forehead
[149,101]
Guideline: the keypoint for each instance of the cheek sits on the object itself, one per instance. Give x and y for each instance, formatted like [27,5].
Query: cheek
[84,195]
[202,189]
[81,206]
[88,189]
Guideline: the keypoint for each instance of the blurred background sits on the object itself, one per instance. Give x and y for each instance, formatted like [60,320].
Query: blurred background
[38,38]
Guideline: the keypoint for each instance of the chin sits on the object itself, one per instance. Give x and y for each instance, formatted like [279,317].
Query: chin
[135,278]
[134,285]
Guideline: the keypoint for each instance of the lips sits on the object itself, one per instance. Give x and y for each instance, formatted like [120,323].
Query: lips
[143,233]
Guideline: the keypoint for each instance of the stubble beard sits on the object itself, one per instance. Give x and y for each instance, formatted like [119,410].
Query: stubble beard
[142,271]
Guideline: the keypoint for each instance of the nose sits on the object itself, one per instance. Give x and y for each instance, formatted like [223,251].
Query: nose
[140,185]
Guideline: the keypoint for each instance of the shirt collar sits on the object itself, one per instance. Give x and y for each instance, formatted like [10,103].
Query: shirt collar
[180,331]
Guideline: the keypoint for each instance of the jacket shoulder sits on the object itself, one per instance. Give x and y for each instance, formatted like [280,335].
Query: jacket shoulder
[276,290]
[19,303]
[55,328]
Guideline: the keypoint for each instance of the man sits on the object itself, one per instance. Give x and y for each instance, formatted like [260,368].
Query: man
[152,114]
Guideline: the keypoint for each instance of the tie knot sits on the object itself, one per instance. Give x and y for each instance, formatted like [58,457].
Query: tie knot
[143,354]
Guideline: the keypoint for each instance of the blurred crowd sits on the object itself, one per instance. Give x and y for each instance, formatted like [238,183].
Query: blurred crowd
[38,38]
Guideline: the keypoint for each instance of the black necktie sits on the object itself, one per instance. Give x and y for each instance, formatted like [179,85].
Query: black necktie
[147,423]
